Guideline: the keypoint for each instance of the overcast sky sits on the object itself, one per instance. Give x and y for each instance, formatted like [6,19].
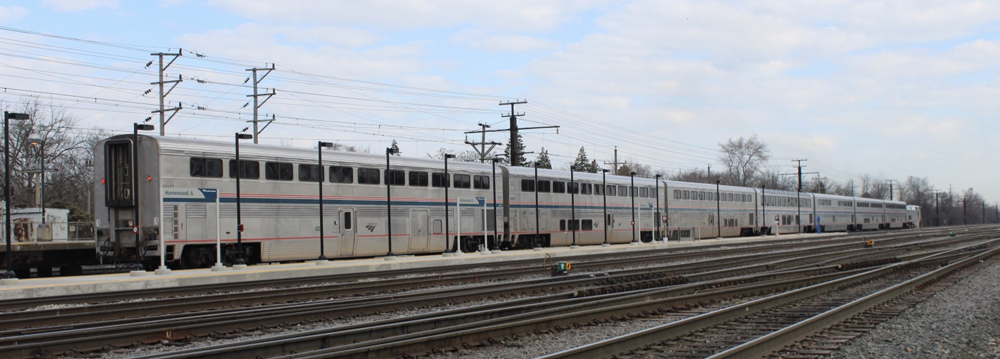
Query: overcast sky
[886,88]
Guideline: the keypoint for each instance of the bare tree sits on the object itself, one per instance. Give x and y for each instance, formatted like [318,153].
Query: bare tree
[464,156]
[743,159]
[693,175]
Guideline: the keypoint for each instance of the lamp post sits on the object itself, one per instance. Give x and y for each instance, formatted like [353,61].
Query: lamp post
[240,262]
[763,207]
[537,229]
[658,216]
[388,200]
[496,231]
[572,205]
[41,152]
[447,183]
[604,192]
[135,190]
[631,192]
[319,152]
[7,116]
[718,208]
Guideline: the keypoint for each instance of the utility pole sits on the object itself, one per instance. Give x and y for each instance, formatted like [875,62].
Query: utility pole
[514,156]
[482,151]
[162,111]
[615,163]
[890,189]
[709,170]
[257,104]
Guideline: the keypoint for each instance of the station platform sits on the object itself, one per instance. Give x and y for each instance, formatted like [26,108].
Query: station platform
[57,286]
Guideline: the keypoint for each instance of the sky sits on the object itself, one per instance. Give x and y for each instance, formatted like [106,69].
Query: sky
[890,89]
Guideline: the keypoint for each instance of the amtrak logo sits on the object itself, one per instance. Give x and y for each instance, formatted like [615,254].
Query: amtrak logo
[371,227]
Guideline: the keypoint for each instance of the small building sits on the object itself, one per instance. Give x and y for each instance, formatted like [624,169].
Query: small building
[27,226]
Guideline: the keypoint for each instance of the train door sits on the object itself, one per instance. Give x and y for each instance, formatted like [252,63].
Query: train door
[348,234]
[419,223]
[610,222]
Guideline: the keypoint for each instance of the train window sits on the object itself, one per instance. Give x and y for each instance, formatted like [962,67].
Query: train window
[701,196]
[588,225]
[587,188]
[635,191]
[574,188]
[562,224]
[558,187]
[438,179]
[644,192]
[687,194]
[438,226]
[280,171]
[396,177]
[481,182]
[462,181]
[598,189]
[347,221]
[369,176]
[206,167]
[310,173]
[248,169]
[418,179]
[340,174]
[544,186]
[527,185]
[731,197]
[677,194]
[612,190]
[622,191]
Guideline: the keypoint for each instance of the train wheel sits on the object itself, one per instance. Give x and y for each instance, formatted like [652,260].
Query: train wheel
[197,257]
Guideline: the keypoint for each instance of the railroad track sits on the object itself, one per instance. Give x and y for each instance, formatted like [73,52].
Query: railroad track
[98,336]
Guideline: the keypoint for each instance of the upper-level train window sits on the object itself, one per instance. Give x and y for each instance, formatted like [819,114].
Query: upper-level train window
[527,185]
[677,194]
[612,190]
[369,176]
[586,188]
[558,187]
[622,191]
[248,169]
[644,192]
[340,174]
[544,186]
[598,189]
[310,173]
[462,181]
[438,179]
[396,177]
[687,194]
[206,167]
[480,182]
[418,179]
[701,196]
[731,199]
[280,171]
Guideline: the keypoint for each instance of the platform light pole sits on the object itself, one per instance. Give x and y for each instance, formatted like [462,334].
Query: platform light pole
[496,230]
[447,183]
[537,221]
[136,127]
[320,145]
[9,275]
[763,207]
[572,205]
[604,193]
[41,155]
[631,192]
[658,215]
[388,200]
[239,218]
[718,208]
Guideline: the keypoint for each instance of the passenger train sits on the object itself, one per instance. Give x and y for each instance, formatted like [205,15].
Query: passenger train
[186,192]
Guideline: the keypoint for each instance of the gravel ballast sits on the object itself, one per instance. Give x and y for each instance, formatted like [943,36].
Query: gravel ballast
[962,321]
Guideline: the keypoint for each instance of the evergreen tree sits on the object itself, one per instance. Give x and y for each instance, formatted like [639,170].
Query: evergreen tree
[521,159]
[543,159]
[395,148]
[582,164]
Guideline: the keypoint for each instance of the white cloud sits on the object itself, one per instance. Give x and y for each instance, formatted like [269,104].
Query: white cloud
[518,14]
[11,13]
[80,5]
[479,40]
